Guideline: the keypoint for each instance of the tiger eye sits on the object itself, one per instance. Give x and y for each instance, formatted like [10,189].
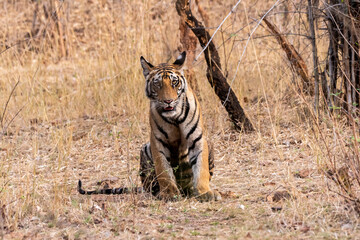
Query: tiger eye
[175,82]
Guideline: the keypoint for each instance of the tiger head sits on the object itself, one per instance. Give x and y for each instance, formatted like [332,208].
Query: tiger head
[165,84]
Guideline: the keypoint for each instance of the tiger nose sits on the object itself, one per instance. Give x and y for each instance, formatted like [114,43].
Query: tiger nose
[168,101]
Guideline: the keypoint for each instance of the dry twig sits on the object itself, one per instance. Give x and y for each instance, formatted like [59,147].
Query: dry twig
[6,104]
[294,57]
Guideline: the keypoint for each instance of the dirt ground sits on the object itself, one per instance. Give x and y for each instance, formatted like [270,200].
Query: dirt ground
[269,190]
[80,112]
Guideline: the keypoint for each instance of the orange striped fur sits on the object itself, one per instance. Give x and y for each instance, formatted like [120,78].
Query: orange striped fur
[178,148]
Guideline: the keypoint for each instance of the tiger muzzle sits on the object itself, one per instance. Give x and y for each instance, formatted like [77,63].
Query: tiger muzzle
[168,106]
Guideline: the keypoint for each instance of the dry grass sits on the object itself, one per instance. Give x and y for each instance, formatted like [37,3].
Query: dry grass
[85,117]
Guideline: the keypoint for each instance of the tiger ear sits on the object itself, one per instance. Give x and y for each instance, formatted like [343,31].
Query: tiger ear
[146,66]
[180,60]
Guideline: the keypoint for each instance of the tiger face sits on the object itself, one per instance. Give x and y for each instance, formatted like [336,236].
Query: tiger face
[165,85]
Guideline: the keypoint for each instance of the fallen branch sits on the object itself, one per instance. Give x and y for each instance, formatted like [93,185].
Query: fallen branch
[214,73]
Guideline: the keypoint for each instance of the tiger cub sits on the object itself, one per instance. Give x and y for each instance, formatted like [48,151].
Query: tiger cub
[178,149]
[177,161]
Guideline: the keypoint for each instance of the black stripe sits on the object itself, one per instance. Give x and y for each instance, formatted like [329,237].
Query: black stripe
[182,110]
[165,145]
[182,90]
[149,154]
[166,72]
[193,159]
[195,141]
[192,118]
[120,190]
[167,158]
[211,162]
[193,127]
[146,152]
[147,88]
[187,107]
[184,156]
[183,85]
[161,129]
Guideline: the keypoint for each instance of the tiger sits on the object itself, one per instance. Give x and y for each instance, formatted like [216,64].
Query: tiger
[177,161]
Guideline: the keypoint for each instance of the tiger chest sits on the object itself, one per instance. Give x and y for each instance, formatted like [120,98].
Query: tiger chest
[179,161]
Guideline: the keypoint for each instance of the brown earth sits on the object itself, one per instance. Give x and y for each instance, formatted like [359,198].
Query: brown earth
[83,115]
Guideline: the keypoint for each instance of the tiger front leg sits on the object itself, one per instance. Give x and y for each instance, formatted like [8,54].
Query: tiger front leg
[164,172]
[198,157]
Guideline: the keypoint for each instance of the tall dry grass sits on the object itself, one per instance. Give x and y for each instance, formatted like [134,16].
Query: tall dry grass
[84,107]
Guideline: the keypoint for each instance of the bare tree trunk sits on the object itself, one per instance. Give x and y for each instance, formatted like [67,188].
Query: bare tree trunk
[333,57]
[332,52]
[357,77]
[315,58]
[346,74]
[214,73]
[188,41]
[325,89]
[353,76]
[354,29]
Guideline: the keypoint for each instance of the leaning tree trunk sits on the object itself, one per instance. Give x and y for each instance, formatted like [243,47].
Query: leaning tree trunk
[214,73]
[189,42]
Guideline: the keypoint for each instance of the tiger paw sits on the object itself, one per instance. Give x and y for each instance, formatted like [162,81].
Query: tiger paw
[171,193]
[169,197]
[217,196]
[211,195]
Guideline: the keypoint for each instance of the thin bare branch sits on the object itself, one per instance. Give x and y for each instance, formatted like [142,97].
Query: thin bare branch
[247,42]
[7,103]
[232,10]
